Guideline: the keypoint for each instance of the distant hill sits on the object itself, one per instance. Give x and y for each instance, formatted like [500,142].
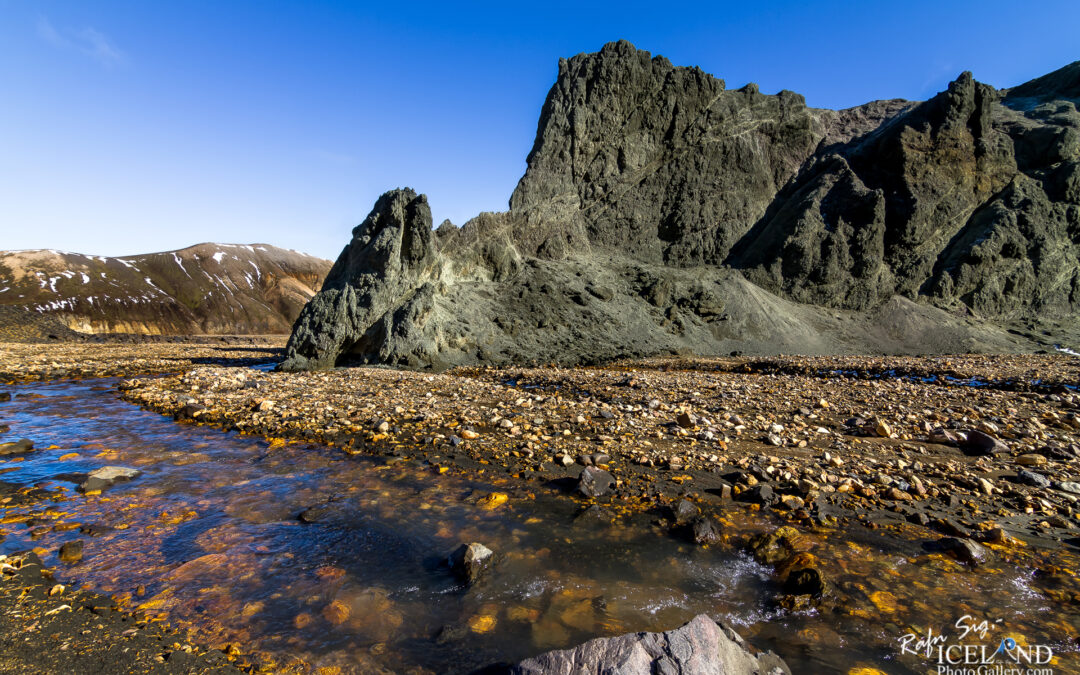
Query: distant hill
[203,289]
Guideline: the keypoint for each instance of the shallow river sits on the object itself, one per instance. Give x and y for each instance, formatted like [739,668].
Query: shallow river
[208,537]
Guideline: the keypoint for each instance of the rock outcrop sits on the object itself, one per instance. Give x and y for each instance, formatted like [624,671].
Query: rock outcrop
[661,212]
[702,646]
[203,289]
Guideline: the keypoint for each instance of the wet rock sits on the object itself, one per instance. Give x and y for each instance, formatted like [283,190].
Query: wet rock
[470,560]
[706,531]
[595,482]
[701,646]
[19,447]
[979,444]
[190,411]
[918,518]
[71,552]
[315,514]
[949,527]
[800,574]
[963,549]
[1031,478]
[5,396]
[685,512]
[774,547]
[106,477]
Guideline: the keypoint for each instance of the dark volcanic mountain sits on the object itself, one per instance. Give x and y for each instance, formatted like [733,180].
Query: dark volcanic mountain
[208,288]
[661,211]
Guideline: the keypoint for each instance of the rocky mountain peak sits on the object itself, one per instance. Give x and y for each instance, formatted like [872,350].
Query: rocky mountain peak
[661,211]
[660,162]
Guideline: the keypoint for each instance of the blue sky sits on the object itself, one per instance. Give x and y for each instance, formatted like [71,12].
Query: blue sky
[130,127]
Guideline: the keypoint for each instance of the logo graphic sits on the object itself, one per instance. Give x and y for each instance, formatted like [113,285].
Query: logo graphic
[971,653]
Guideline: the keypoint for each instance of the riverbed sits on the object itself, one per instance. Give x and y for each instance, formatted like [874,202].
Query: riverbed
[210,537]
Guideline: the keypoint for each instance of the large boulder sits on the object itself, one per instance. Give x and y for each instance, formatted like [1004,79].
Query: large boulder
[702,646]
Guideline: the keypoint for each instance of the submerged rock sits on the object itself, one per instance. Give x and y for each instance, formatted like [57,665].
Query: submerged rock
[71,552]
[774,547]
[702,646]
[706,531]
[19,447]
[105,477]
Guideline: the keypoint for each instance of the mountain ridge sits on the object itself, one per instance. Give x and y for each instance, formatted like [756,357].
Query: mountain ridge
[206,288]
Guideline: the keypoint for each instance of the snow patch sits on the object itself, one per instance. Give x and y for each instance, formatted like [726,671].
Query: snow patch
[181,264]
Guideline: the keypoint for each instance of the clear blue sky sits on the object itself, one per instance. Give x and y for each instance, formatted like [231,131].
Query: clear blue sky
[130,127]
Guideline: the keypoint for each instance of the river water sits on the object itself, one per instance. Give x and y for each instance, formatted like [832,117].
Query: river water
[208,537]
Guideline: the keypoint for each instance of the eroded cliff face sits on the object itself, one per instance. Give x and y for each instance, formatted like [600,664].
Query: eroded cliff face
[962,200]
[661,212]
[662,163]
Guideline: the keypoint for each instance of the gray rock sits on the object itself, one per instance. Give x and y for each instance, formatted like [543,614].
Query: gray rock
[595,482]
[759,494]
[19,447]
[470,560]
[979,444]
[701,647]
[965,550]
[1032,478]
[685,512]
[706,531]
[1068,486]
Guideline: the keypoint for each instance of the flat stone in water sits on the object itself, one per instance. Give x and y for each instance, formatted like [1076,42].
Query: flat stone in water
[99,479]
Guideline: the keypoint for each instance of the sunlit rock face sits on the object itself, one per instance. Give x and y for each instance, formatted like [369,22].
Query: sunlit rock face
[661,212]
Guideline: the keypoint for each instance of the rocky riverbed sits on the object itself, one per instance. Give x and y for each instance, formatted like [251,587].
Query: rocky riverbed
[867,496]
[972,447]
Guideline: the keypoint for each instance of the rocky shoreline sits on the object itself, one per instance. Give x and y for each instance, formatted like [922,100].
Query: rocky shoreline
[960,460]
